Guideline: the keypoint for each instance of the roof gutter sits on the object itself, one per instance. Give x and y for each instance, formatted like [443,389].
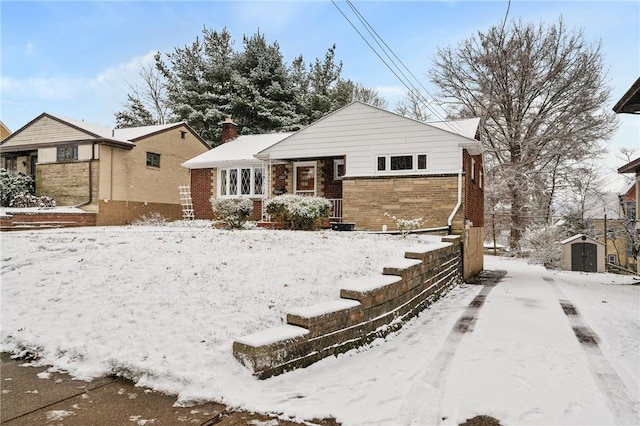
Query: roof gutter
[93,157]
[458,204]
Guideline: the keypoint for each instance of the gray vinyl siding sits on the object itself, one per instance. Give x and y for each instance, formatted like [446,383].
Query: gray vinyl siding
[361,133]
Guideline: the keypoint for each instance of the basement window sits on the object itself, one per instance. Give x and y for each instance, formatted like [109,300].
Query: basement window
[67,153]
[153,160]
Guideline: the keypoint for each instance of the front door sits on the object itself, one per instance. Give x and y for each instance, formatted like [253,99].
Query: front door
[304,175]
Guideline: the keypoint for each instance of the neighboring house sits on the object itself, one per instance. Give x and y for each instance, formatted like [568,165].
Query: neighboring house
[367,162]
[120,174]
[4,131]
[630,104]
[611,215]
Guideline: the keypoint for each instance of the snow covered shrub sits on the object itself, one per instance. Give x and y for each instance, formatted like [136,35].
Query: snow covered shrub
[298,212]
[28,200]
[543,246]
[405,226]
[12,185]
[232,212]
[154,219]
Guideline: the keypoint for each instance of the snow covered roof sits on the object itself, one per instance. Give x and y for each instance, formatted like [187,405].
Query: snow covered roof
[467,127]
[241,149]
[94,132]
[121,135]
[582,237]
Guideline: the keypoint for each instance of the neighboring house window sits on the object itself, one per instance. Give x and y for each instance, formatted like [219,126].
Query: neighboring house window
[67,153]
[480,179]
[338,169]
[183,134]
[612,258]
[406,162]
[153,160]
[629,249]
[631,211]
[241,181]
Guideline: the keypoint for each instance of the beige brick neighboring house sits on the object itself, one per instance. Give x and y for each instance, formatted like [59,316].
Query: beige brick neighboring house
[367,162]
[120,174]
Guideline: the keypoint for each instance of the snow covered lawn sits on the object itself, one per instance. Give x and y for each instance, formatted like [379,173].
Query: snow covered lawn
[162,306]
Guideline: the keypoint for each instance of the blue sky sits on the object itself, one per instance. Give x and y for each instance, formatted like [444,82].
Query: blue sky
[75,58]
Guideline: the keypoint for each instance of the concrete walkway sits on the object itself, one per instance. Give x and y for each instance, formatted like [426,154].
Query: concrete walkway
[33,396]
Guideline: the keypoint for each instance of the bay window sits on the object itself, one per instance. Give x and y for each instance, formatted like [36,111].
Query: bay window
[240,181]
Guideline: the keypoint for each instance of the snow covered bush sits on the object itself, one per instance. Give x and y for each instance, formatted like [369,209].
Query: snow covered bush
[28,200]
[232,212]
[405,226]
[298,212]
[12,185]
[542,245]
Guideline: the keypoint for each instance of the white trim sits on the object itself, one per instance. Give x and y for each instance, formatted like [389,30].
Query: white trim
[252,177]
[414,164]
[336,163]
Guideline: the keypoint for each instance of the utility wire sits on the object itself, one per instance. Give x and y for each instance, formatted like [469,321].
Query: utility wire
[405,80]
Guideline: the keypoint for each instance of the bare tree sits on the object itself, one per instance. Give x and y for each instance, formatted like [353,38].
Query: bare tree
[413,106]
[147,101]
[540,92]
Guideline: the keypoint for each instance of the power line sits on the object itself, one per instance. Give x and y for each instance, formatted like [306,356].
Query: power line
[404,79]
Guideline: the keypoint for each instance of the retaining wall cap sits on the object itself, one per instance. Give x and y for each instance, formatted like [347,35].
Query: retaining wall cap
[403,263]
[364,284]
[428,248]
[273,335]
[324,308]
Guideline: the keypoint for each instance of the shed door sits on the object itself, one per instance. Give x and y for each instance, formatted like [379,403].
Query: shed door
[584,257]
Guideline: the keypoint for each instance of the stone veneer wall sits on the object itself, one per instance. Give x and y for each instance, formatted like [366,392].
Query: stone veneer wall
[366,200]
[68,183]
[368,308]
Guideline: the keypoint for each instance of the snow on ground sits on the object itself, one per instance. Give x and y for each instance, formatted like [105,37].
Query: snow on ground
[162,305]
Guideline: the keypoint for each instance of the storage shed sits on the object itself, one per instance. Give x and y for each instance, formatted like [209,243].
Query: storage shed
[583,253]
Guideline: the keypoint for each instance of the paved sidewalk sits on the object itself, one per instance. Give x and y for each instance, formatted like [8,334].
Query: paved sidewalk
[33,396]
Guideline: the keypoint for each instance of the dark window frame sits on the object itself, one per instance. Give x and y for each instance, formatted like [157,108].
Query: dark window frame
[153,160]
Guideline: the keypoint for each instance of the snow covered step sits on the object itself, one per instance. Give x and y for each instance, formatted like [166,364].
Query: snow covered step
[326,317]
[371,291]
[268,348]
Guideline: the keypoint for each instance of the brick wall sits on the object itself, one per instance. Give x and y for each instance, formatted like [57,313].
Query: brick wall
[202,187]
[366,200]
[44,219]
[369,307]
[474,193]
[331,188]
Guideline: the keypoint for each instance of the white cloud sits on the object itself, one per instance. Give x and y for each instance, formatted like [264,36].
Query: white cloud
[29,49]
[39,88]
[118,76]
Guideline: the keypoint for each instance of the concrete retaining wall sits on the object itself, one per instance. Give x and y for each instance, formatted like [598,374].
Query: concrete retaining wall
[368,308]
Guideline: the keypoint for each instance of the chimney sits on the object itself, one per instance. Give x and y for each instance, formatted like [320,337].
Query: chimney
[229,130]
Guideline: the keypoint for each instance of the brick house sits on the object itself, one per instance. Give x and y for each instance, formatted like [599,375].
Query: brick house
[367,162]
[119,174]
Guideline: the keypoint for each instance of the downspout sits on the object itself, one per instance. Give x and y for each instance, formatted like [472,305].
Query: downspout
[457,206]
[93,156]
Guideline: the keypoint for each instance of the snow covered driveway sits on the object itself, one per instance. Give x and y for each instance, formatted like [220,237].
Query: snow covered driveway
[163,305]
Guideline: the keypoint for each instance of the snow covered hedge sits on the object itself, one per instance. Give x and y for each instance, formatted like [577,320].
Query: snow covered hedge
[232,212]
[12,185]
[27,200]
[298,212]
